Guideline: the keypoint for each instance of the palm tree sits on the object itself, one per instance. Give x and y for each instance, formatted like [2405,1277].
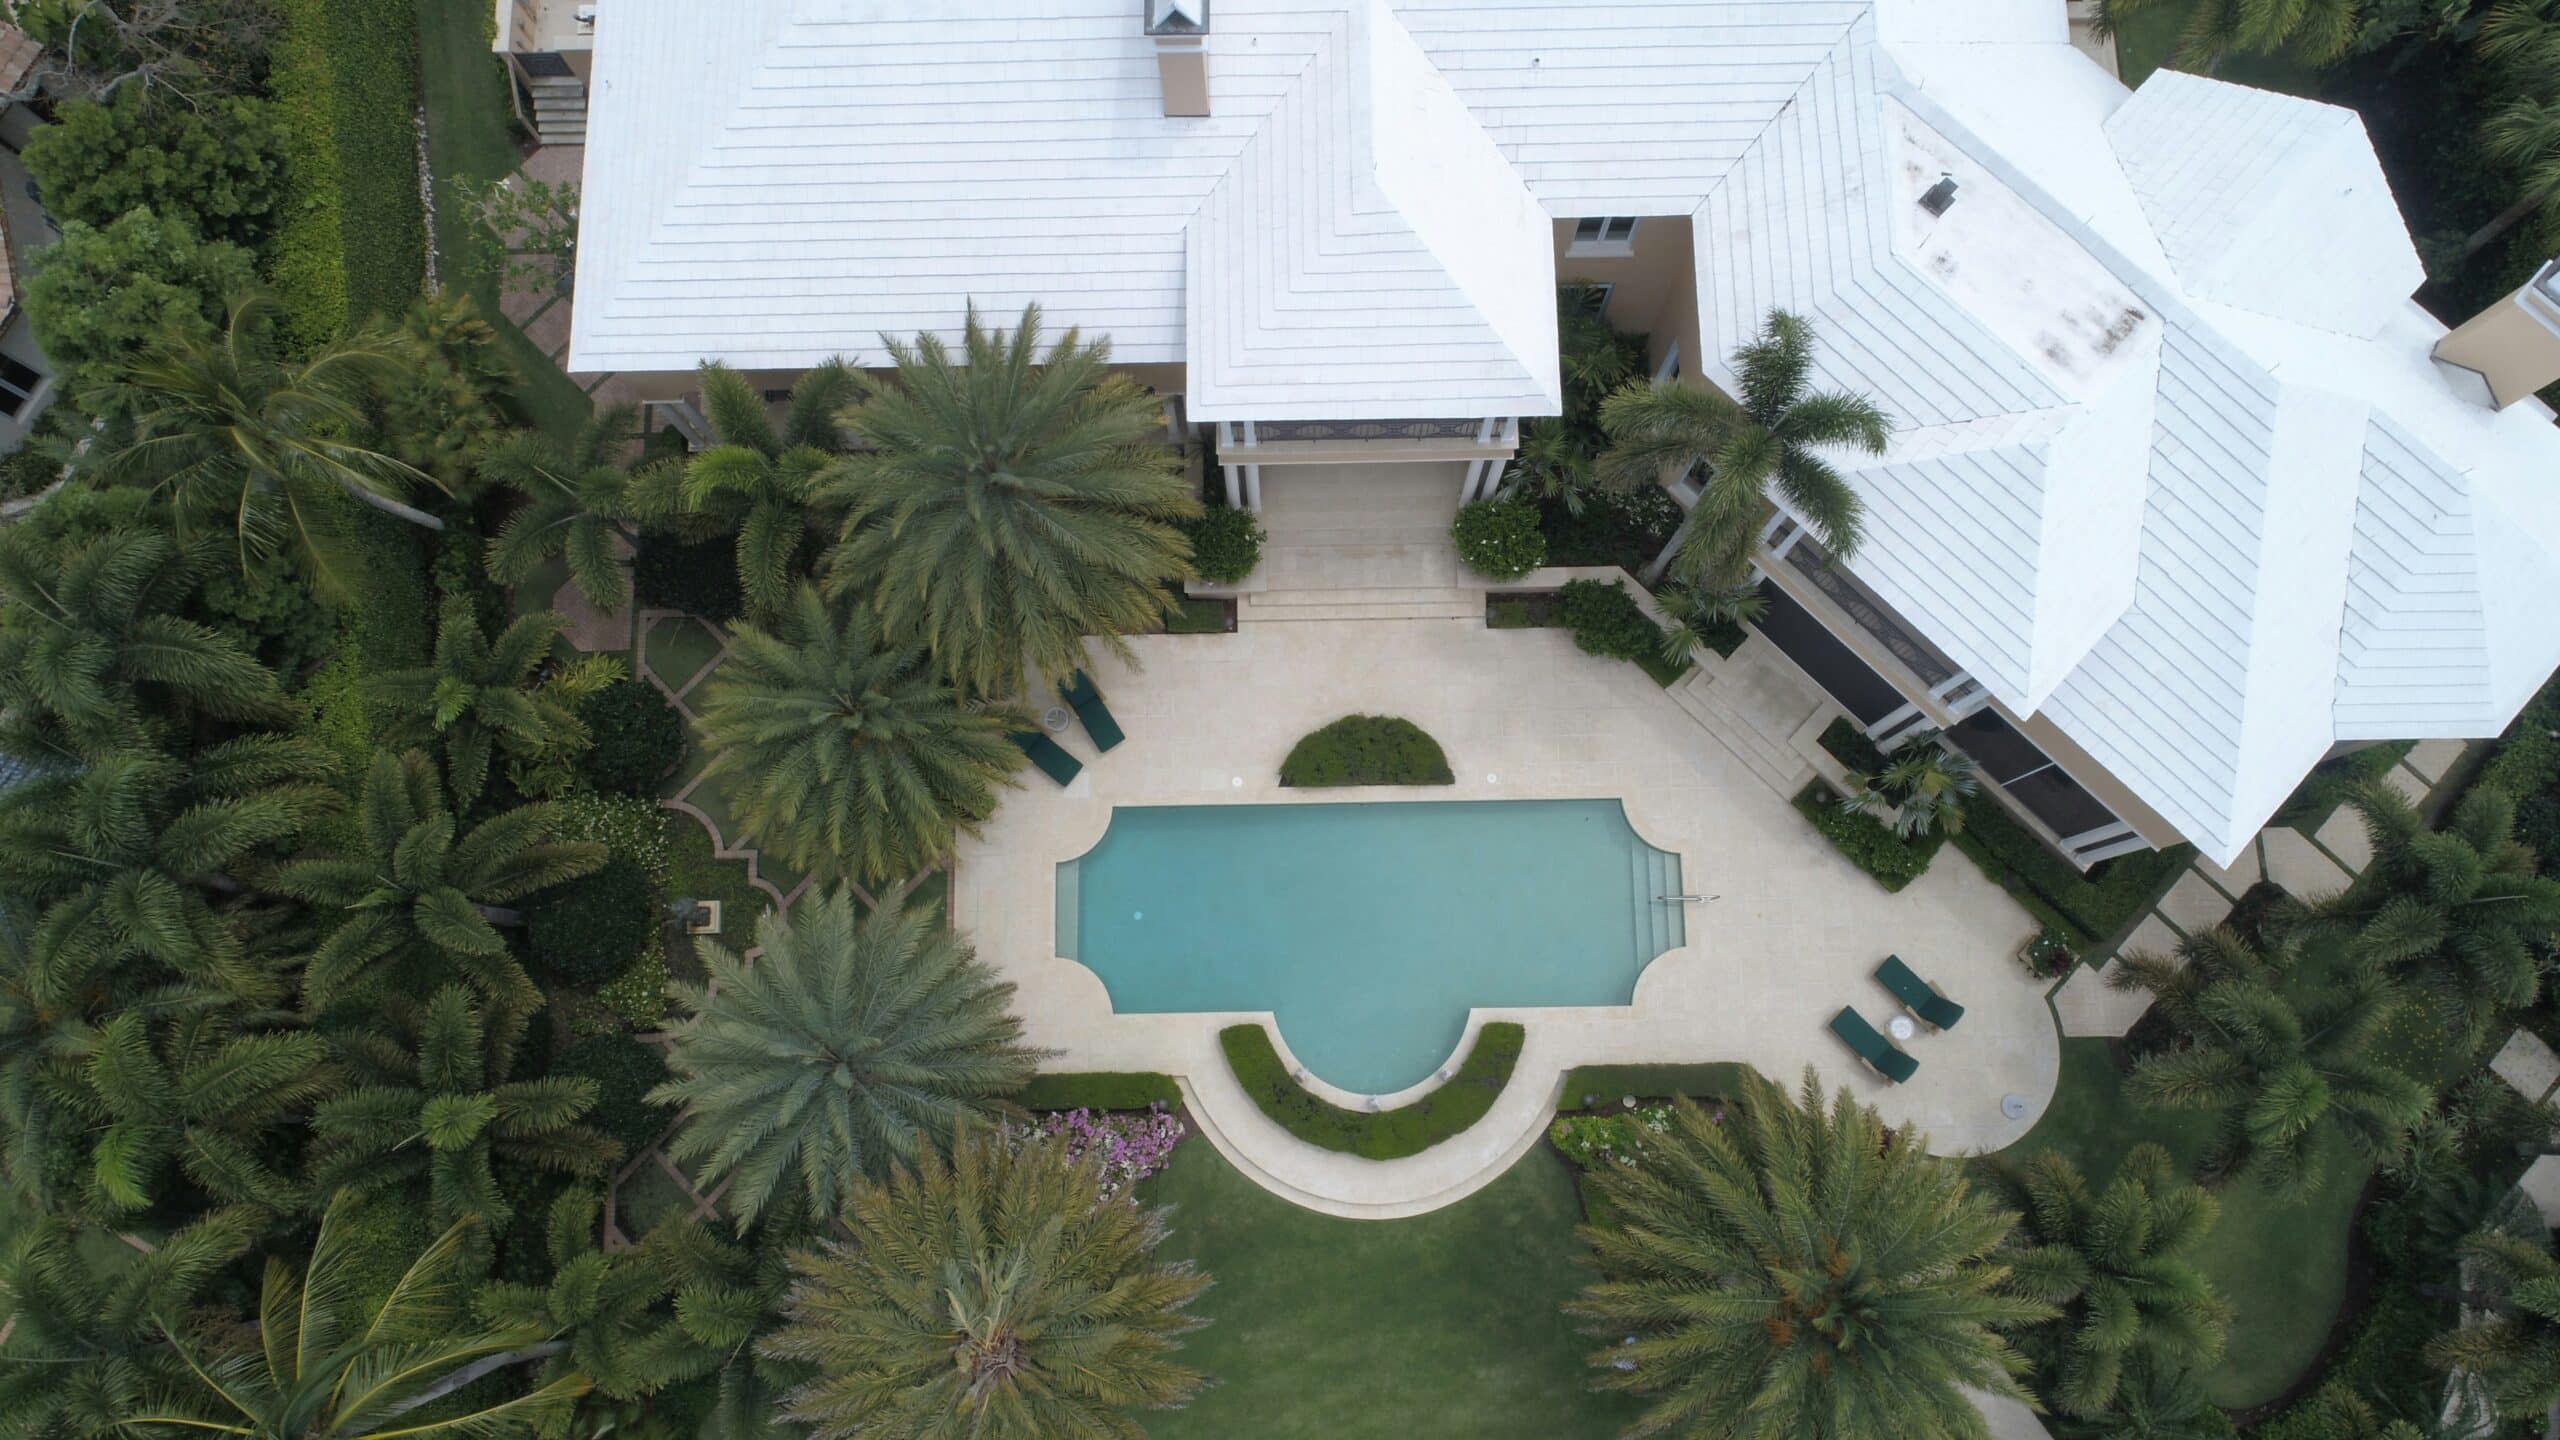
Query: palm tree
[758,482]
[1920,791]
[2280,1075]
[1701,614]
[2456,912]
[480,696]
[1011,504]
[851,1045]
[2120,1261]
[2316,32]
[416,887]
[262,446]
[78,1353]
[1002,1296]
[119,856]
[318,1366]
[95,654]
[1772,437]
[846,753]
[2511,1334]
[431,1100]
[1800,1271]
[578,505]
[205,1095]
[2157,1403]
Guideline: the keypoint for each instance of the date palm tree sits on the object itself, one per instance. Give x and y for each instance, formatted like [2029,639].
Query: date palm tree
[1002,1296]
[2120,1262]
[852,1044]
[431,1102]
[482,695]
[1771,438]
[327,1360]
[759,482]
[263,447]
[1011,504]
[2279,1074]
[414,886]
[578,505]
[2456,913]
[2316,32]
[1799,1270]
[96,654]
[846,753]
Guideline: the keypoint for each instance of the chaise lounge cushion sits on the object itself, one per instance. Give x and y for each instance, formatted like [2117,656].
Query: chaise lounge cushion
[1877,1051]
[1918,995]
[1054,762]
[1086,701]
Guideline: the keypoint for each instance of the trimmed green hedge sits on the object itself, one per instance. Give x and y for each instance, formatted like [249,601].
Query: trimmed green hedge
[1381,1135]
[1869,843]
[2527,761]
[1499,539]
[2089,908]
[1604,1085]
[1226,544]
[353,236]
[1366,750]
[1099,1090]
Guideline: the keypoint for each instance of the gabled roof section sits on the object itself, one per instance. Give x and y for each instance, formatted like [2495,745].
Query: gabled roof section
[2268,202]
[2413,657]
[1370,254]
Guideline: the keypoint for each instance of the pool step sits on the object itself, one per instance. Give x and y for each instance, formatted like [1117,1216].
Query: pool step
[1773,761]
[1660,926]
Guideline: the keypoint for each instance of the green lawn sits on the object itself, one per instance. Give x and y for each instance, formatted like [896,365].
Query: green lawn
[1444,1325]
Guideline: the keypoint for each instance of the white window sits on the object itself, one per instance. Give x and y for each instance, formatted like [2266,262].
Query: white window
[1603,235]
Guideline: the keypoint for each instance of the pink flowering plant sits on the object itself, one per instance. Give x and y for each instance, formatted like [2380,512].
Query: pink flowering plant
[1133,1144]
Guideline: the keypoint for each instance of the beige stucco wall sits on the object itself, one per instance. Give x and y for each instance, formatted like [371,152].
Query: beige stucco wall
[1656,287]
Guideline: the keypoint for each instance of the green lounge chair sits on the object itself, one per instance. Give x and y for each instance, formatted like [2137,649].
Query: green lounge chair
[1918,996]
[1873,1048]
[1055,763]
[1086,701]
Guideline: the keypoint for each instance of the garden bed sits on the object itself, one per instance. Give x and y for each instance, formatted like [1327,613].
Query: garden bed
[1869,843]
[1366,750]
[1394,1134]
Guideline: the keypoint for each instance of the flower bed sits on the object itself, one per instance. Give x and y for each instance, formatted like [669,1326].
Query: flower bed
[1375,1135]
[1133,1146]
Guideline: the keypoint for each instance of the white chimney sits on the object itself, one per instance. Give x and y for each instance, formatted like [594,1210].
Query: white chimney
[2514,344]
[1180,29]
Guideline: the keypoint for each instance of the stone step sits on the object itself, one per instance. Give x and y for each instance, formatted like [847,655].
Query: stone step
[551,84]
[1780,767]
[1251,610]
[1372,595]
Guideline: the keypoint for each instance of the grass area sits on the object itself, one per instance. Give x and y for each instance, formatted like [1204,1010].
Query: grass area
[471,136]
[678,648]
[1201,617]
[1326,1329]
[694,872]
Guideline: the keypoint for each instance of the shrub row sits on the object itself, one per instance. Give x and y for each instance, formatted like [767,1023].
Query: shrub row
[1605,1085]
[1869,843]
[1380,1135]
[2087,908]
[352,239]
[1607,621]
[1366,750]
[1099,1090]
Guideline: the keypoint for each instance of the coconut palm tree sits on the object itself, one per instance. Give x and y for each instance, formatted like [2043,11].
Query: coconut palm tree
[2316,32]
[853,1043]
[480,696]
[758,482]
[2280,1074]
[2120,1262]
[1800,1271]
[578,505]
[414,887]
[1002,1296]
[1011,504]
[2511,1335]
[431,1101]
[263,447]
[123,857]
[1920,791]
[79,1352]
[202,1091]
[1773,437]
[845,753]
[319,1366]
[2455,913]
[96,655]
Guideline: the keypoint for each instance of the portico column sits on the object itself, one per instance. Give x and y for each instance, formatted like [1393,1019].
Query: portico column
[1233,476]
[1253,488]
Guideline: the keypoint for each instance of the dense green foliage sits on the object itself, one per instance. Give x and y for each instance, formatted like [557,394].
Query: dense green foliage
[624,1071]
[698,577]
[1607,621]
[1409,1129]
[353,240]
[1099,1090]
[757,484]
[1499,539]
[1226,543]
[1870,844]
[1590,1085]
[1366,750]
[103,294]
[1065,1324]
[589,930]
[1921,789]
[219,166]
[2086,906]
[635,739]
[1859,1281]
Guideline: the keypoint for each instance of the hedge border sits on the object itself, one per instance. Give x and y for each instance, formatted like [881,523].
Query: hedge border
[1375,1135]
[351,237]
[1865,841]
[1606,1085]
[1099,1090]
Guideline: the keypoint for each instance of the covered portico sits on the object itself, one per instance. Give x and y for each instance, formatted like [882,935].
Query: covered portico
[1483,446]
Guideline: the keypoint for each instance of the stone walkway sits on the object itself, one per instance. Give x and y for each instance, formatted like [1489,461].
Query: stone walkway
[2087,1003]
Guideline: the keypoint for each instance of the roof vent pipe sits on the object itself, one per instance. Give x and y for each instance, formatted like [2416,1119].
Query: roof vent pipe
[1180,29]
[1938,199]
[2514,344]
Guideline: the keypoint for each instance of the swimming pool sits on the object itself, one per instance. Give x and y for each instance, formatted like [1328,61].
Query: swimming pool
[1369,930]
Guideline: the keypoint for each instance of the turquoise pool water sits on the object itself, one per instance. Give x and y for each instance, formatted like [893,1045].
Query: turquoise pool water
[1369,930]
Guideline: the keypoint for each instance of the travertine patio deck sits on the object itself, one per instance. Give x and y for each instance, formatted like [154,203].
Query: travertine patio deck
[1524,715]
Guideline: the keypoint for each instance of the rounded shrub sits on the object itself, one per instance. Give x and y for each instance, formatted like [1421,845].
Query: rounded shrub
[591,929]
[1606,620]
[625,1070]
[1499,539]
[637,738]
[1226,543]
[700,578]
[1366,750]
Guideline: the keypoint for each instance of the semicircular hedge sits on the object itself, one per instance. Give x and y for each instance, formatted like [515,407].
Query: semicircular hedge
[1394,1134]
[1366,750]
